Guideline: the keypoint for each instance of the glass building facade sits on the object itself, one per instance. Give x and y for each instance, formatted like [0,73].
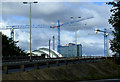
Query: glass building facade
[71,51]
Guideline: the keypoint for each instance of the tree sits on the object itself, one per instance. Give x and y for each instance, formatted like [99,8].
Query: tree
[115,22]
[9,47]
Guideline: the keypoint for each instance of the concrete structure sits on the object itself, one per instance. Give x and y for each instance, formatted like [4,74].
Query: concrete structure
[70,50]
[53,53]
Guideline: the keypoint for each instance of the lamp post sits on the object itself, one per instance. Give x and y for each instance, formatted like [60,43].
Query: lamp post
[30,25]
[76,32]
[75,39]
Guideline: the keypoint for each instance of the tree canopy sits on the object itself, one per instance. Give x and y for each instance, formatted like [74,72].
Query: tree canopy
[9,47]
[115,22]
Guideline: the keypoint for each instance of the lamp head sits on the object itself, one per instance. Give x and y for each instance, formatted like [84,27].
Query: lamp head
[71,17]
[25,2]
[107,34]
[96,30]
[30,2]
[35,2]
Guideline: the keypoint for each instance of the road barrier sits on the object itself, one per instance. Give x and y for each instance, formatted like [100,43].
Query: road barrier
[36,63]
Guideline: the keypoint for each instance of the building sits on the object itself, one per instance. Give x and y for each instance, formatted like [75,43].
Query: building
[40,51]
[70,50]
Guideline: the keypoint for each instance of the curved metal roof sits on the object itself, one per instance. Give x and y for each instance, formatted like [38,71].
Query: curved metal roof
[40,52]
[53,53]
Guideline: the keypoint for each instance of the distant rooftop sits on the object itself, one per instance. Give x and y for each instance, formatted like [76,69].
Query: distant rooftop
[70,44]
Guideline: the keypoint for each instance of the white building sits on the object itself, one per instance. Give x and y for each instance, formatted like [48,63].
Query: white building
[53,53]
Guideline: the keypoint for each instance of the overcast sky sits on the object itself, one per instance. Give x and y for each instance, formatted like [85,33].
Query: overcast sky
[48,13]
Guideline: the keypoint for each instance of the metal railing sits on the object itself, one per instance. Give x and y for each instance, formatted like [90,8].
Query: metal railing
[47,61]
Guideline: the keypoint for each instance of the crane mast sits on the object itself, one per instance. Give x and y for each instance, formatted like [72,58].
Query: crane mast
[66,23]
[59,36]
[105,43]
[105,40]
[12,33]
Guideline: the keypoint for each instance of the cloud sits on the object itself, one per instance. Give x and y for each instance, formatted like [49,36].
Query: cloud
[48,14]
[93,50]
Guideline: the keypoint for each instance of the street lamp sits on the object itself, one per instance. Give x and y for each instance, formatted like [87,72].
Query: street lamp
[30,24]
[75,38]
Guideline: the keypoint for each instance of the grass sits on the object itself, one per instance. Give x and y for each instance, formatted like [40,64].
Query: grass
[83,71]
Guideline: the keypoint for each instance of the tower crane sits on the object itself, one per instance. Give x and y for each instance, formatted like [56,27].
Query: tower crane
[66,23]
[13,27]
[106,33]
[42,26]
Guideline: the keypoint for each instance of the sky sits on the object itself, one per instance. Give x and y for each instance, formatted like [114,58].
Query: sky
[48,13]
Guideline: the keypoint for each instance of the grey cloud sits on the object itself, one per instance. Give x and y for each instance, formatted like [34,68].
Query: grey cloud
[24,45]
[49,13]
[39,37]
[93,50]
[62,11]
